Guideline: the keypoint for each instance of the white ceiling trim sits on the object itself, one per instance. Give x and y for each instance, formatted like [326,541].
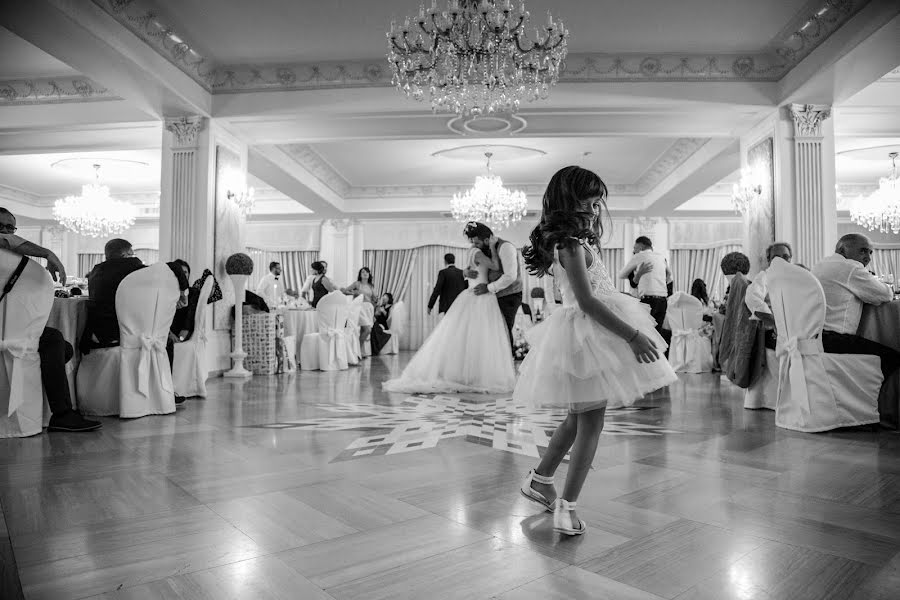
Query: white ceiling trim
[52,90]
[798,38]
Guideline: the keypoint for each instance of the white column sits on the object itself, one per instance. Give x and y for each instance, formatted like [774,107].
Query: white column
[341,248]
[184,190]
[815,203]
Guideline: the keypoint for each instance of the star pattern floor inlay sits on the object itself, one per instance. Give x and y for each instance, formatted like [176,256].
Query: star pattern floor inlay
[421,422]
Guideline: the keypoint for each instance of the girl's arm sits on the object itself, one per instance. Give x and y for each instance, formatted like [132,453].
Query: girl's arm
[573,261]
[352,289]
[328,285]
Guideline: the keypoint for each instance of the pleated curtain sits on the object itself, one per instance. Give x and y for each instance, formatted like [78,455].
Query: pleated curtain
[423,276]
[391,270]
[295,266]
[703,263]
[88,260]
[886,260]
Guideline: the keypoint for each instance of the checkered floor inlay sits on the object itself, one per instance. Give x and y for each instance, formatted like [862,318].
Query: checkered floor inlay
[421,422]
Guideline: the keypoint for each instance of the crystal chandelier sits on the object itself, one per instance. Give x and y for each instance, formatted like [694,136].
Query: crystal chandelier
[489,202]
[236,190]
[746,191]
[881,210]
[94,213]
[476,57]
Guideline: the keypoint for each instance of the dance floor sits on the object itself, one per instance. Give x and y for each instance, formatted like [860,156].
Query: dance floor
[319,485]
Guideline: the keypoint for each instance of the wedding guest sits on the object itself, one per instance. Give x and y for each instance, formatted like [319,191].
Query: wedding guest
[742,346]
[848,286]
[319,285]
[450,283]
[271,287]
[653,283]
[363,286]
[698,291]
[756,297]
[382,315]
[102,326]
[54,351]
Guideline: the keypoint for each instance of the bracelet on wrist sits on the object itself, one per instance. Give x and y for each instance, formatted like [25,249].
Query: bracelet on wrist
[634,335]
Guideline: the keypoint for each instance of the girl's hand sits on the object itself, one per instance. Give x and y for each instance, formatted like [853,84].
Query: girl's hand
[643,348]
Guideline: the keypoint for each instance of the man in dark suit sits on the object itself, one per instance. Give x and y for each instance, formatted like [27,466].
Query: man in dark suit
[450,283]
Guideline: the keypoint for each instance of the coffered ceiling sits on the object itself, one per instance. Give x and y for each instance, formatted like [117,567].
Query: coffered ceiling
[654,97]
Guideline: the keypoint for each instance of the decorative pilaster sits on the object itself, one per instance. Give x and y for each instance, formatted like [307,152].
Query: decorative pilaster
[337,249]
[179,186]
[815,210]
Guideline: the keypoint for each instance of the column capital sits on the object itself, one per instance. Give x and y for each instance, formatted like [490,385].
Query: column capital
[338,225]
[808,118]
[185,129]
[646,225]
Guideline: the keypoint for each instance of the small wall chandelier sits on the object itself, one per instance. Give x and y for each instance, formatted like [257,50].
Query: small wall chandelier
[94,213]
[489,202]
[236,190]
[476,57]
[747,191]
[881,210]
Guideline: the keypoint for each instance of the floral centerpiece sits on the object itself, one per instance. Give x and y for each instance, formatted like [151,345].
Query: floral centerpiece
[520,344]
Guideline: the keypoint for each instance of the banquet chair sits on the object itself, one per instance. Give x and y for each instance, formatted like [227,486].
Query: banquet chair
[326,350]
[365,348]
[189,369]
[763,393]
[133,379]
[398,321]
[690,351]
[23,316]
[352,328]
[816,391]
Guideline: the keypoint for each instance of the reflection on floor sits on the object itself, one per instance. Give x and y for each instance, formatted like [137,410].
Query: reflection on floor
[319,485]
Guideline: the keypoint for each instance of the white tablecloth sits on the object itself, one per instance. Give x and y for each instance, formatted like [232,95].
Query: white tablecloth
[881,324]
[69,316]
[298,323]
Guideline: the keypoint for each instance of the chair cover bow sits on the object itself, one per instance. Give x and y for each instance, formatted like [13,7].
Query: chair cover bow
[21,350]
[148,346]
[790,355]
[678,333]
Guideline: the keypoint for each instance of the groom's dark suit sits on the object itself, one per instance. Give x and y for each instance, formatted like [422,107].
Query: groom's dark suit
[450,284]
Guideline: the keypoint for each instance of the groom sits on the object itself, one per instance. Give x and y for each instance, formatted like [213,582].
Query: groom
[506,281]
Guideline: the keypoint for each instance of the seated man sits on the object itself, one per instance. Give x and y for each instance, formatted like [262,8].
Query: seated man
[54,351]
[848,285]
[758,292]
[102,328]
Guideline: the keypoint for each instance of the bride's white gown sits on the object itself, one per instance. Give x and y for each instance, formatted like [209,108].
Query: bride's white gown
[468,351]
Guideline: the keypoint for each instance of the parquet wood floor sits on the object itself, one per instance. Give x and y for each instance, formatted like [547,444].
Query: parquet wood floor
[321,486]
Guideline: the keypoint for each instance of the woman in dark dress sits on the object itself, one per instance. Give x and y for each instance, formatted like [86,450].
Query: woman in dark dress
[321,284]
[382,313]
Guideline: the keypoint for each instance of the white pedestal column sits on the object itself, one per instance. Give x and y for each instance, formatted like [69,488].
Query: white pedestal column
[341,247]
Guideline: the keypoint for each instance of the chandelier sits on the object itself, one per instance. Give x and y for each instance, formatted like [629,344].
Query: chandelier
[881,210]
[746,191]
[489,202]
[476,57]
[236,190]
[94,213]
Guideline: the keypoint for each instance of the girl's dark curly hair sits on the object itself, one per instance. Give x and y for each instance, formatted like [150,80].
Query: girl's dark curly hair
[567,216]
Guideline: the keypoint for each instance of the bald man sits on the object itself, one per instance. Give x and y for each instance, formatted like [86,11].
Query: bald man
[848,286]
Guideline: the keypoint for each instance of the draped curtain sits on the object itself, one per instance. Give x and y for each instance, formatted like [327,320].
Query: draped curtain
[430,260]
[295,266]
[391,270]
[886,260]
[703,263]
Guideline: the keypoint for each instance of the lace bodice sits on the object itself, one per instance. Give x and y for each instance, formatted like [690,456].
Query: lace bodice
[599,278]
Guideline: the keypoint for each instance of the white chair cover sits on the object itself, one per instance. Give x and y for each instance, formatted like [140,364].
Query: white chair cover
[368,310]
[326,350]
[764,391]
[690,352]
[97,382]
[145,304]
[398,322]
[354,350]
[816,391]
[189,371]
[23,316]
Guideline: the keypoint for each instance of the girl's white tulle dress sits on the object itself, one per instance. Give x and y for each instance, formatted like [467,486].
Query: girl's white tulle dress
[468,351]
[577,364]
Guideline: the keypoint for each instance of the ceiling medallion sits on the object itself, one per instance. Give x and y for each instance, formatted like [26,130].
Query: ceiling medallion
[881,209]
[94,213]
[489,202]
[476,57]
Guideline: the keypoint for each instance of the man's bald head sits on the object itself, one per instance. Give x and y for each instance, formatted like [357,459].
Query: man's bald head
[855,246]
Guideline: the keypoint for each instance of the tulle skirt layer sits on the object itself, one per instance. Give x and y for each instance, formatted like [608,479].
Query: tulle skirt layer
[577,364]
[468,351]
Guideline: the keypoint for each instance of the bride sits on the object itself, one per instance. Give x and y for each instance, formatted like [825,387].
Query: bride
[468,351]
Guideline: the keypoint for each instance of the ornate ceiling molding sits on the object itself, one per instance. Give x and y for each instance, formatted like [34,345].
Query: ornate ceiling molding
[52,90]
[312,161]
[812,26]
[673,158]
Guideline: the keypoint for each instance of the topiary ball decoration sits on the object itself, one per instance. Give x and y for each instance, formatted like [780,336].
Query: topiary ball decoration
[537,292]
[239,264]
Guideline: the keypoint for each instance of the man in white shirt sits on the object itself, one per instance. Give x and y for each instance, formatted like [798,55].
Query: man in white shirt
[652,285]
[271,286]
[848,285]
[758,292]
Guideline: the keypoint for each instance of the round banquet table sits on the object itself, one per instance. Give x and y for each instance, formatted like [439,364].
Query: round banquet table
[69,316]
[298,322]
[882,324]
